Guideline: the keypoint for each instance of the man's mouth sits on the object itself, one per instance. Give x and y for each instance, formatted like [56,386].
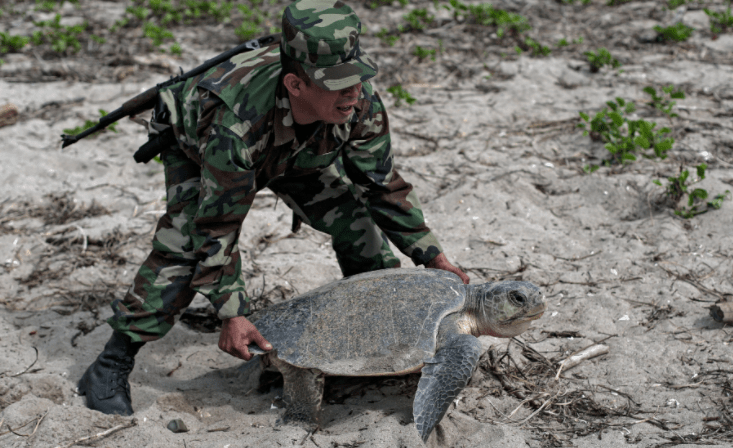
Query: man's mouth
[345,108]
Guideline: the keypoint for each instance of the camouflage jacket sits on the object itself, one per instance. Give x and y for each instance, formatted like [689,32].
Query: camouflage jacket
[235,122]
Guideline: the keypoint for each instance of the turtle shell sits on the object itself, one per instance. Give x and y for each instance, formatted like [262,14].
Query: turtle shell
[377,323]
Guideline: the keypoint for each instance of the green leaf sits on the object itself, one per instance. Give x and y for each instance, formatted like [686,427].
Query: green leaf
[701,170]
[650,90]
[664,146]
[697,193]
[658,182]
[584,116]
[618,120]
[717,201]
[642,141]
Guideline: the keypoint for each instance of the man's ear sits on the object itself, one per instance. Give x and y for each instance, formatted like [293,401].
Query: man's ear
[293,84]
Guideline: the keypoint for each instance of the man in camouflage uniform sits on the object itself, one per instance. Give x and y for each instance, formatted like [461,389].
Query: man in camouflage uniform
[298,118]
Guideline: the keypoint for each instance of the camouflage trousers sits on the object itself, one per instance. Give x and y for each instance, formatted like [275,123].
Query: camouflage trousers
[325,200]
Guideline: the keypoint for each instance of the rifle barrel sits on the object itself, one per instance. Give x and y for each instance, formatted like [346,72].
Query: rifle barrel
[146,100]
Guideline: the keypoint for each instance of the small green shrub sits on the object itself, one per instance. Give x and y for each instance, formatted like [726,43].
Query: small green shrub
[564,42]
[377,3]
[679,186]
[50,5]
[139,12]
[536,48]
[156,33]
[600,58]
[385,37]
[720,21]
[252,23]
[423,53]
[10,43]
[663,102]
[674,4]
[485,14]
[417,19]
[625,138]
[678,32]
[59,36]
[401,94]
[88,124]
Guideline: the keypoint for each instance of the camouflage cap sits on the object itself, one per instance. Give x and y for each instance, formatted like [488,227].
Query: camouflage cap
[323,36]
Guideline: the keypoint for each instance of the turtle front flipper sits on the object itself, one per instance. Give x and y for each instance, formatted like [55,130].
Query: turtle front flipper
[302,394]
[443,378]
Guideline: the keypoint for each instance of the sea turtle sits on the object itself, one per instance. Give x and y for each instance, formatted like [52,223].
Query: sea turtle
[391,322]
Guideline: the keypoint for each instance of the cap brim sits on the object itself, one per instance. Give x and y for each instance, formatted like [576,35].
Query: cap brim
[342,76]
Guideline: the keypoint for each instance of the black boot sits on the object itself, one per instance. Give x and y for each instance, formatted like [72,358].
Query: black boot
[105,382]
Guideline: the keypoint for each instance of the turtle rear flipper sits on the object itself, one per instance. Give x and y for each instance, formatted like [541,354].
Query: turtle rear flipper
[443,378]
[302,394]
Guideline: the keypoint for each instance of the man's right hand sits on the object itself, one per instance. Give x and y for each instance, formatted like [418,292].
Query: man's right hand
[237,333]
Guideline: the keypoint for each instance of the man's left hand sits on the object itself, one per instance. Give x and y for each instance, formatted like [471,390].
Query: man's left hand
[441,262]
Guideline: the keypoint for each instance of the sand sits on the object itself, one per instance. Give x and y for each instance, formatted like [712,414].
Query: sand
[492,148]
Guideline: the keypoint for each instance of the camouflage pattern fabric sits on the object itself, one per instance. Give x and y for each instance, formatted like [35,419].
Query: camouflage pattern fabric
[235,132]
[323,36]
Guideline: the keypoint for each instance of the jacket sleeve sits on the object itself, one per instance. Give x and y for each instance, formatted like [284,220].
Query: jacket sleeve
[393,204]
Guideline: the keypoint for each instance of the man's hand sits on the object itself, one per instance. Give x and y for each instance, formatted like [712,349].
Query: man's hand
[441,262]
[237,333]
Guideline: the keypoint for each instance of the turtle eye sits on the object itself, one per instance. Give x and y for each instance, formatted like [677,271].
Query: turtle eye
[518,298]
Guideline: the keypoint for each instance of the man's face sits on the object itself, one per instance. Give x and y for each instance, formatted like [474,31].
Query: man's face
[333,107]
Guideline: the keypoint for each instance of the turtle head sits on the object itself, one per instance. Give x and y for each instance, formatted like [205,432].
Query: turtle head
[506,309]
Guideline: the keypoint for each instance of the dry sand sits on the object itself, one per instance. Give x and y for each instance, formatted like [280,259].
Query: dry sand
[492,149]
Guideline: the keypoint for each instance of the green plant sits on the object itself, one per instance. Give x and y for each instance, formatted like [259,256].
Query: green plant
[385,37]
[417,19]
[50,5]
[139,12]
[564,42]
[536,47]
[119,24]
[59,36]
[156,33]
[400,94]
[679,186]
[678,32]
[661,102]
[485,14]
[377,3]
[674,4]
[10,43]
[251,25]
[88,124]
[625,138]
[176,49]
[423,53]
[720,21]
[47,5]
[600,58]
